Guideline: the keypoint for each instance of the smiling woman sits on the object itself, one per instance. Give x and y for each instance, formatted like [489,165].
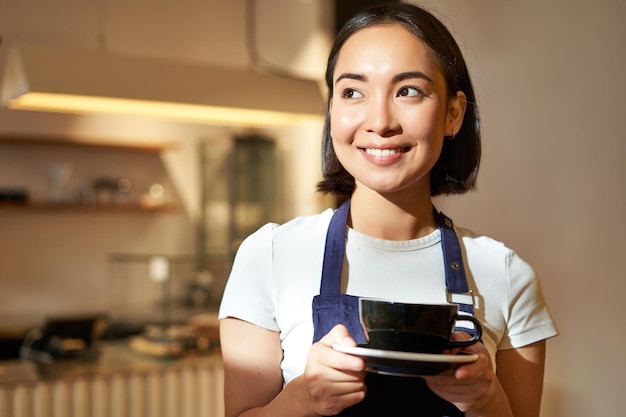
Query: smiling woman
[401,127]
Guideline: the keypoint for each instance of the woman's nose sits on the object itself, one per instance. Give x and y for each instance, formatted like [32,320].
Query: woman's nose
[381,117]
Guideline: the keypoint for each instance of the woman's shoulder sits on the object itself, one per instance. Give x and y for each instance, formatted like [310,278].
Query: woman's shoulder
[296,229]
[492,253]
[314,224]
[480,241]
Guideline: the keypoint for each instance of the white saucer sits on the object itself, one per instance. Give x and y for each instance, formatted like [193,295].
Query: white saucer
[390,362]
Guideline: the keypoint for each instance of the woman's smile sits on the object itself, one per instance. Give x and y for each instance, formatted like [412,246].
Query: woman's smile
[384,153]
[384,156]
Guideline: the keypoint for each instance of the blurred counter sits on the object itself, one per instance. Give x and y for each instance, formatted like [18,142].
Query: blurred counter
[121,382]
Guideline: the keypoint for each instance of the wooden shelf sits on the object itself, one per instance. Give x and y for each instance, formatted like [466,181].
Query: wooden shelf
[89,208]
[17,199]
[129,145]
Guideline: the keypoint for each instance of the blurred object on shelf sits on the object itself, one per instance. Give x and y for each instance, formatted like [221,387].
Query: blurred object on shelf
[174,340]
[17,196]
[106,190]
[71,337]
[60,174]
[207,328]
[155,196]
[199,289]
[161,341]
[159,268]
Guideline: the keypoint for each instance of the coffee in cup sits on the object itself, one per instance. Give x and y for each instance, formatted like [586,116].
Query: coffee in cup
[408,327]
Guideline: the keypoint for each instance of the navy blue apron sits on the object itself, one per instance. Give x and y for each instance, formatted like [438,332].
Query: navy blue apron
[388,396]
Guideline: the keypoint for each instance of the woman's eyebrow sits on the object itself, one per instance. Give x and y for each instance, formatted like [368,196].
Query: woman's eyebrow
[411,74]
[350,76]
[397,78]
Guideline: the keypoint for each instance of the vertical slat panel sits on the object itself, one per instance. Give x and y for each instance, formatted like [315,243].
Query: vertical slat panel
[118,397]
[209,391]
[203,384]
[80,398]
[171,393]
[155,394]
[188,395]
[60,400]
[22,401]
[99,394]
[42,400]
[136,395]
[217,373]
[4,402]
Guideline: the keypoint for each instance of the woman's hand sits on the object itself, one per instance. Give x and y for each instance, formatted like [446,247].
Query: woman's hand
[471,386]
[334,380]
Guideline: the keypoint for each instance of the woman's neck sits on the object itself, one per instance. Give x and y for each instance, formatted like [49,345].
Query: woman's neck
[391,217]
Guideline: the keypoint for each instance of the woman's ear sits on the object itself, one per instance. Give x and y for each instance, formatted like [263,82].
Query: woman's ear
[456,113]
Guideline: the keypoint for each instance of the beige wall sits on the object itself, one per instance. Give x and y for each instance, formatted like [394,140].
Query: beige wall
[550,81]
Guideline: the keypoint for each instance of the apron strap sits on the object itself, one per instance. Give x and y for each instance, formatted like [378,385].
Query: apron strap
[456,279]
[335,251]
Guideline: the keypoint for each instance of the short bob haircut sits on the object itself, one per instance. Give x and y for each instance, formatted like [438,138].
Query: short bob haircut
[456,170]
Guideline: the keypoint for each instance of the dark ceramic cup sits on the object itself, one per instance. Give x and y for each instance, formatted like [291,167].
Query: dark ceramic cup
[423,328]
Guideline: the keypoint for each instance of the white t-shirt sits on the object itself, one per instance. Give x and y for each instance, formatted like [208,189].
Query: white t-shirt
[277,272]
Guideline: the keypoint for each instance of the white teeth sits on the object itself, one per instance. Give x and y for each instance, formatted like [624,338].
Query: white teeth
[381,152]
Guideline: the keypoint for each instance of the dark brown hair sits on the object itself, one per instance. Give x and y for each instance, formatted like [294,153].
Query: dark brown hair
[456,170]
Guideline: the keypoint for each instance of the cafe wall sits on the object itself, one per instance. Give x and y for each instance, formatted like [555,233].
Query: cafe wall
[57,260]
[550,84]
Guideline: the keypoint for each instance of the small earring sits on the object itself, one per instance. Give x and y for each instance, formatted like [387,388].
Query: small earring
[452,136]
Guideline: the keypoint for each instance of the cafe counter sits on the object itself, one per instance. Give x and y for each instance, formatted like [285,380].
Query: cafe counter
[119,383]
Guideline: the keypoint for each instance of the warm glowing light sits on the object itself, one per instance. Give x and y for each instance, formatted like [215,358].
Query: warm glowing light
[191,113]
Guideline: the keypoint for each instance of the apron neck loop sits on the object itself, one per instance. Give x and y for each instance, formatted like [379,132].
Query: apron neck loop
[456,280]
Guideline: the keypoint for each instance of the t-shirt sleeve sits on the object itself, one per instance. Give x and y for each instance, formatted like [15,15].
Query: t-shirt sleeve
[249,293]
[529,317]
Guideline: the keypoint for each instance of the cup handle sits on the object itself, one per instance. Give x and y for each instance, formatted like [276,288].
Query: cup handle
[475,338]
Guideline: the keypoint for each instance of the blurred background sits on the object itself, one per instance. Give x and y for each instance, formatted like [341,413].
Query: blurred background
[137,217]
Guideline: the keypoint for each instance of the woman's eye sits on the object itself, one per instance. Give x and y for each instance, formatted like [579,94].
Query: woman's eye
[410,92]
[350,93]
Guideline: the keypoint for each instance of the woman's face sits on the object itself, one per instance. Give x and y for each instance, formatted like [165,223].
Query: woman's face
[390,110]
